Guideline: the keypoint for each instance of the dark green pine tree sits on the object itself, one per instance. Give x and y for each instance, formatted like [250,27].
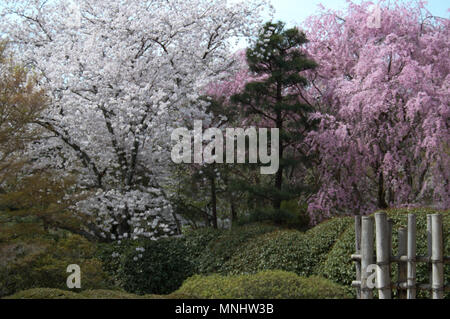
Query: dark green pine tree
[277,58]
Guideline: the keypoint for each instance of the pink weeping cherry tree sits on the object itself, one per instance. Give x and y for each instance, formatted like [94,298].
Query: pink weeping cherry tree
[382,95]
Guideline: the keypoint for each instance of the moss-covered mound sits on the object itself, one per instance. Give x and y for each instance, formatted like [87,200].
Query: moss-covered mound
[52,293]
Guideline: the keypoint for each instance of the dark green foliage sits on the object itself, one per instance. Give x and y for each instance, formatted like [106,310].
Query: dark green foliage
[197,240]
[112,256]
[338,267]
[322,238]
[290,215]
[218,251]
[163,267]
[293,251]
[264,285]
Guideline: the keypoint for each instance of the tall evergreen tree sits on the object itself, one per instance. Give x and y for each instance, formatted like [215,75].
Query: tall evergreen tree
[276,60]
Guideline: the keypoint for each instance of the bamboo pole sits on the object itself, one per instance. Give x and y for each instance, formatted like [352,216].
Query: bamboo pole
[358,251]
[429,250]
[366,254]
[390,228]
[411,253]
[383,256]
[437,257]
[402,250]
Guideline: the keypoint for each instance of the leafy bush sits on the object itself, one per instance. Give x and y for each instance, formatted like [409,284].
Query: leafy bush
[264,285]
[218,251]
[338,266]
[156,267]
[321,240]
[112,257]
[44,262]
[288,250]
[340,269]
[281,249]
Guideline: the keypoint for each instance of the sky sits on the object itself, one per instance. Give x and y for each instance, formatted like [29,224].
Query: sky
[294,12]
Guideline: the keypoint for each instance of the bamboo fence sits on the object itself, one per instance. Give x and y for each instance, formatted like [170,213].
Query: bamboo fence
[378,229]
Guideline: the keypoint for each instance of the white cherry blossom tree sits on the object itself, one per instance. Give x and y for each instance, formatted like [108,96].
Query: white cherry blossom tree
[122,75]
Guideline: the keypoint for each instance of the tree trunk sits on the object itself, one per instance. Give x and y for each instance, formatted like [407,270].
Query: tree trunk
[233,213]
[279,174]
[214,200]
[381,192]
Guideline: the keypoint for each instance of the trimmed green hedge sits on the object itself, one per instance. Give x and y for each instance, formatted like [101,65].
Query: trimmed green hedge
[321,239]
[52,293]
[264,285]
[340,269]
[288,250]
[281,249]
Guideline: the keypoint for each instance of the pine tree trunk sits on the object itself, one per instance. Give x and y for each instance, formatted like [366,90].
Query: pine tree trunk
[279,175]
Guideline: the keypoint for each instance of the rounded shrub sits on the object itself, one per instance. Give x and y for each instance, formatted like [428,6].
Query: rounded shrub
[281,249]
[288,250]
[264,285]
[321,240]
[155,267]
[340,269]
